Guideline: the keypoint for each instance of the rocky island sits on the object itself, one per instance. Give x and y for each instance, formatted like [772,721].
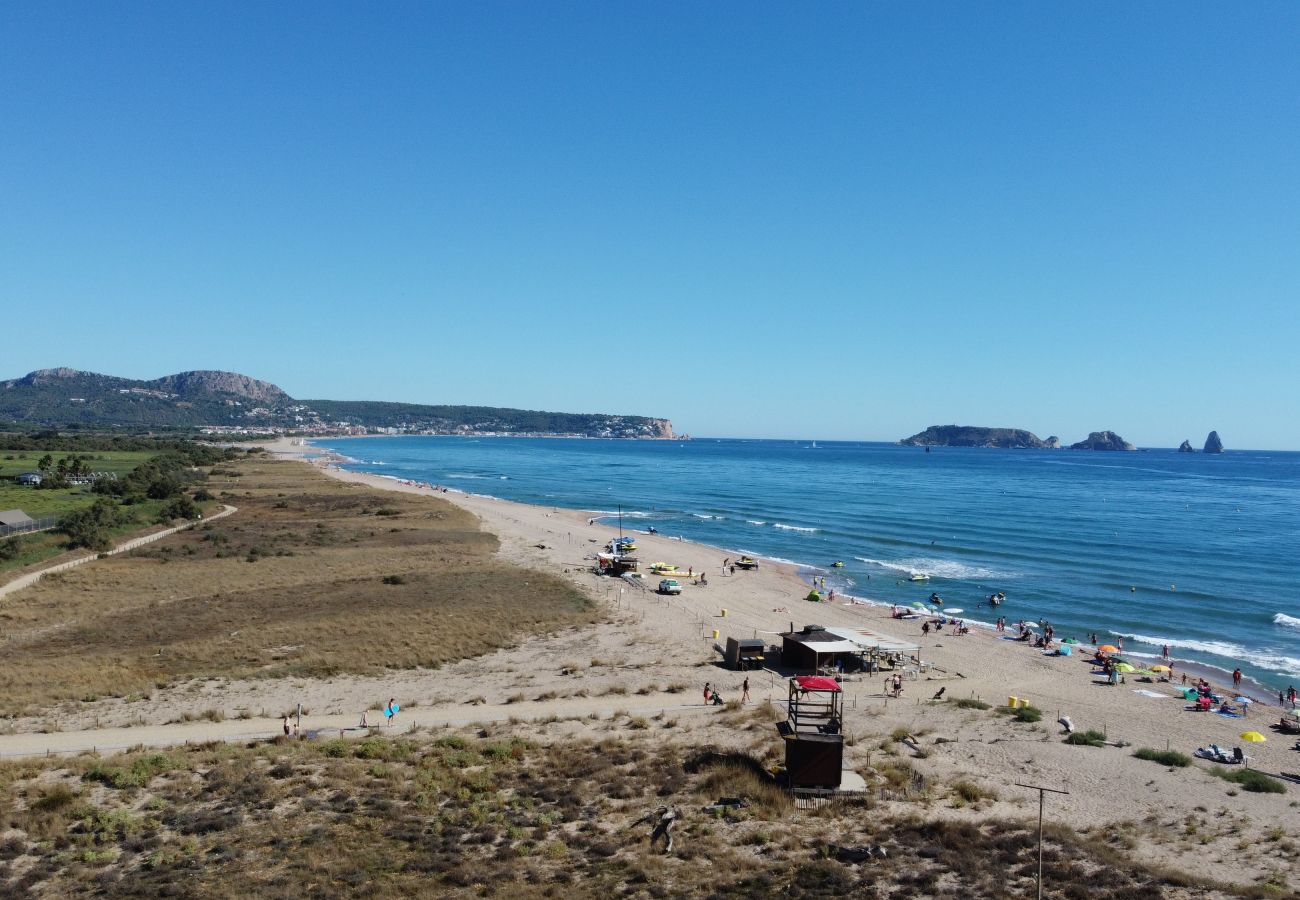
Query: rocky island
[1186,447]
[1008,439]
[1213,444]
[974,436]
[1103,440]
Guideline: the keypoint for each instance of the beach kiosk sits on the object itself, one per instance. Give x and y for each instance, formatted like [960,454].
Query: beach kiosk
[814,733]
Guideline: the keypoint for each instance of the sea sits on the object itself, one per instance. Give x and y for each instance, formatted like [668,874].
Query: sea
[1199,553]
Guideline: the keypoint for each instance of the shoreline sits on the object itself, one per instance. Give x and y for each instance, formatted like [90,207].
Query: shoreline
[1256,691]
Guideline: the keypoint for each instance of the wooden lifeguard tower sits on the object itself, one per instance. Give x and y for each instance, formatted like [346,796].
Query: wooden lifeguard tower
[814,733]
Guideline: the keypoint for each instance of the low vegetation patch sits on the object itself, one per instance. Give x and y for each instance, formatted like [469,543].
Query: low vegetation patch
[1250,780]
[1087,738]
[1164,757]
[969,703]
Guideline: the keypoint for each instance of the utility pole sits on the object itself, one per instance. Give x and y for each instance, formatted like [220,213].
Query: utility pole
[1042,791]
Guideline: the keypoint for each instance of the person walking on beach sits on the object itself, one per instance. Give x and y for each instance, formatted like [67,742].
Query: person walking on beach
[1164,652]
[708,692]
[744,691]
[390,711]
[1236,679]
[1290,695]
[925,628]
[898,684]
[286,726]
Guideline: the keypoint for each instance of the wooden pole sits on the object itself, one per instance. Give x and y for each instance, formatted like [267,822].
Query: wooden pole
[1041,793]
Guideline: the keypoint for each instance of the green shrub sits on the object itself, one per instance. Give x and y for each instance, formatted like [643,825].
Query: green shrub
[394,579]
[1027,714]
[1086,738]
[1250,780]
[1164,757]
[135,775]
[969,703]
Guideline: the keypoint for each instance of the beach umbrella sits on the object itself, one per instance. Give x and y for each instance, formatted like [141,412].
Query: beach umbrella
[1108,648]
[1124,667]
[917,604]
[1161,669]
[1253,736]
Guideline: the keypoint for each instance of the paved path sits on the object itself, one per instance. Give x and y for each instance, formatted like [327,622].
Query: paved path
[112,739]
[31,578]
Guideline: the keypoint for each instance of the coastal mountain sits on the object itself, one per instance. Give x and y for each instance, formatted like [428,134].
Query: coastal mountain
[227,402]
[1186,447]
[1213,444]
[974,436]
[1103,440]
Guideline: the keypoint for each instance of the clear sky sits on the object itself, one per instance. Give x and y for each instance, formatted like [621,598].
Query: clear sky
[811,220]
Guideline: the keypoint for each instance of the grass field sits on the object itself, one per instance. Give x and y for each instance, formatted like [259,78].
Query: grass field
[293,584]
[37,503]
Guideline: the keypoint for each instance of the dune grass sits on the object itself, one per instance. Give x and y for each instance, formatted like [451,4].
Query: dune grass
[307,579]
[492,814]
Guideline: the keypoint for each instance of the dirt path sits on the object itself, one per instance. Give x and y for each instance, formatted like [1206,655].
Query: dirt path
[323,727]
[31,578]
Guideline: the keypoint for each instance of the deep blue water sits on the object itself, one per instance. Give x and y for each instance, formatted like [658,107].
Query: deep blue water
[1197,552]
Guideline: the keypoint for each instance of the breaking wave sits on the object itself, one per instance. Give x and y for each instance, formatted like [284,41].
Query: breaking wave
[1265,659]
[937,568]
[795,528]
[1286,621]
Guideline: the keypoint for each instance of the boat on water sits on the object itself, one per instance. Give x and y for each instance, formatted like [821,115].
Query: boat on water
[838,564]
[918,576]
[746,562]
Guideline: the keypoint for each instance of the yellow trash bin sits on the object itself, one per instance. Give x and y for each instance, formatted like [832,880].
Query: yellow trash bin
[1024,703]
[1013,702]
[715,634]
[724,614]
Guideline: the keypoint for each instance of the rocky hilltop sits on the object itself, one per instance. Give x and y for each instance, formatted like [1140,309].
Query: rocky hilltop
[230,402]
[185,384]
[1186,447]
[1213,444]
[1103,440]
[975,436]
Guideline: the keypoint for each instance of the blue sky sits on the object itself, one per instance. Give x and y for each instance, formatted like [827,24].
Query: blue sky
[770,220]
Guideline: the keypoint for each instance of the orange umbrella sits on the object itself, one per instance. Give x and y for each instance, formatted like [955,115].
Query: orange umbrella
[1108,648]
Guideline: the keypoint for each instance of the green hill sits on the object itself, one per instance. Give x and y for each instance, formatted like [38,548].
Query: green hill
[63,398]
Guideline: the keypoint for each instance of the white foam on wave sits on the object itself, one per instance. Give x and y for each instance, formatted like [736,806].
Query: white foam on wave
[1286,621]
[799,528]
[627,513]
[1264,659]
[706,517]
[755,522]
[937,568]
[464,475]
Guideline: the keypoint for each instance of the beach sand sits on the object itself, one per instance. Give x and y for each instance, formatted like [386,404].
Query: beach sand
[656,652]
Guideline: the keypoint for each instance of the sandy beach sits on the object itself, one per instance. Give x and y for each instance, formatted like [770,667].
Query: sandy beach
[655,653]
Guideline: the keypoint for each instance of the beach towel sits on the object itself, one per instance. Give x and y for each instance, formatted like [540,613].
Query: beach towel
[1145,693]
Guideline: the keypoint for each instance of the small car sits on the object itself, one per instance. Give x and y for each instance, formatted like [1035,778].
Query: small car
[670,586]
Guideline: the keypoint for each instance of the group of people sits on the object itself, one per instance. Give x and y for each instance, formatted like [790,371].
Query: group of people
[713,698]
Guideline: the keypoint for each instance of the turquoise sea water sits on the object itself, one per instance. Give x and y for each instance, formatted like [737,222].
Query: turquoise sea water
[1197,552]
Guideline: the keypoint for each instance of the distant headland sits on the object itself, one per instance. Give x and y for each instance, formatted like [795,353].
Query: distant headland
[226,403]
[1019,439]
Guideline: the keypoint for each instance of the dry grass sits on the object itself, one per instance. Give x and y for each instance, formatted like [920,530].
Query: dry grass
[292,585]
[467,816]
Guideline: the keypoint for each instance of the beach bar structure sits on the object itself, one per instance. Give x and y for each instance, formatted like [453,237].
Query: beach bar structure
[816,647]
[814,733]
